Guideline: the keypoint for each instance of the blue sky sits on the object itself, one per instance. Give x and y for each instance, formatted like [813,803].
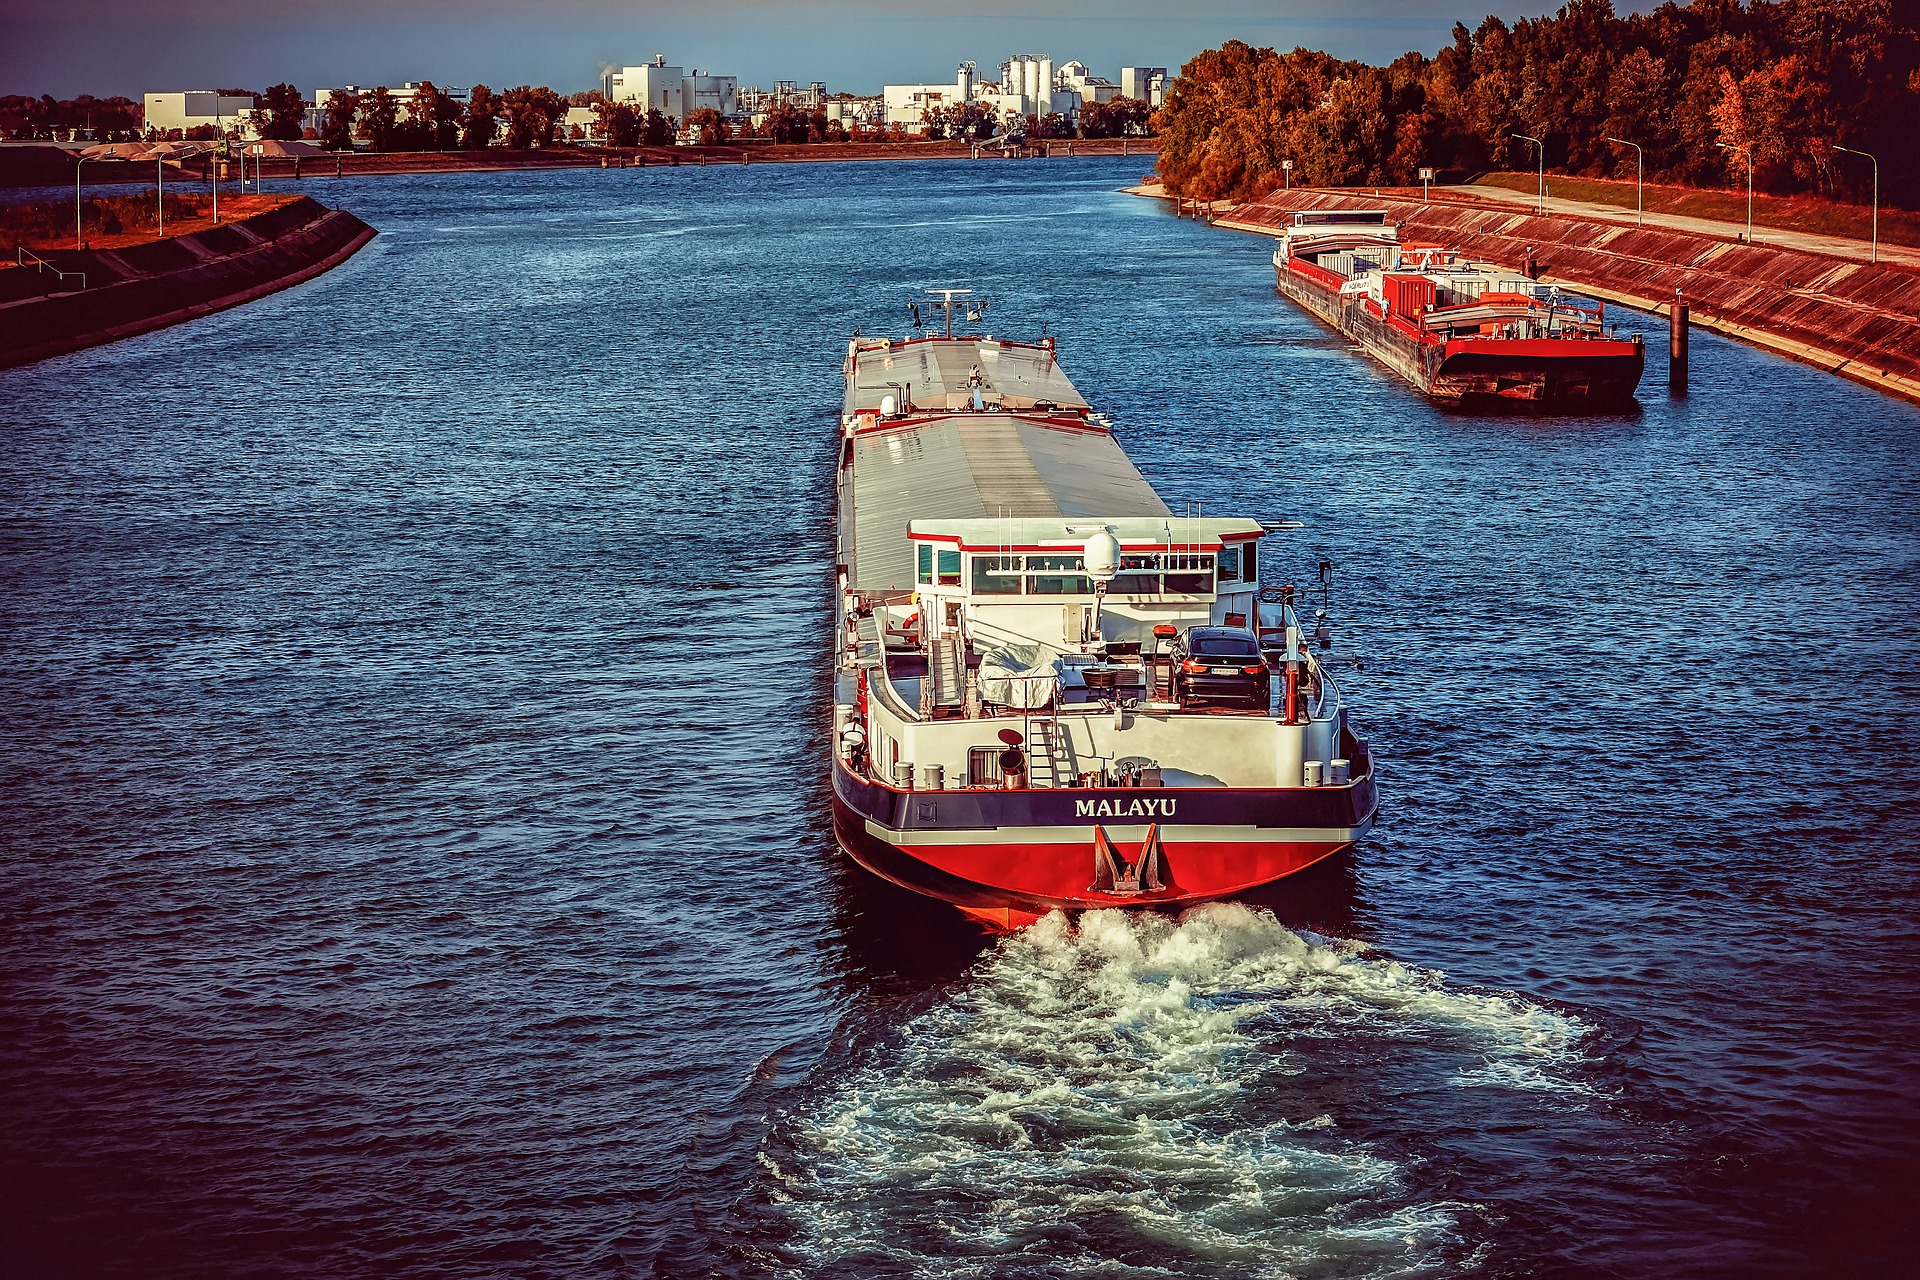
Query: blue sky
[132,46]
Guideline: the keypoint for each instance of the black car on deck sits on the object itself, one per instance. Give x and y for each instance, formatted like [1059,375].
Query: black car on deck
[1223,664]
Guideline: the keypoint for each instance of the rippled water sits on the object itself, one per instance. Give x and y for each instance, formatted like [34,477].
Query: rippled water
[416,852]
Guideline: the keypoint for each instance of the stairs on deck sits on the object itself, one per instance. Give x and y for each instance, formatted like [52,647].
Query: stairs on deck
[947,672]
[1049,757]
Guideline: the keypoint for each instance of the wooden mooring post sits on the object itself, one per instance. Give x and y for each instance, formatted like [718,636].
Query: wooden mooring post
[1677,345]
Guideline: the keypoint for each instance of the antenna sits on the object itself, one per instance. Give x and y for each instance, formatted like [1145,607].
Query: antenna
[945,304]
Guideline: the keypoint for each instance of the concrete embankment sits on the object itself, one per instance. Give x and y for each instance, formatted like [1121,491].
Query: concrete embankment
[1848,317]
[106,295]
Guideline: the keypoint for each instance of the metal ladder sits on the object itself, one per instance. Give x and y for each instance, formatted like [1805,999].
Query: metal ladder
[946,672]
[1050,760]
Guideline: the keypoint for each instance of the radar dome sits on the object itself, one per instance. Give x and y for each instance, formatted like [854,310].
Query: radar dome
[1102,556]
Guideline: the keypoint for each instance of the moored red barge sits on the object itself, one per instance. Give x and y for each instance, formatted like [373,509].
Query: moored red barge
[1461,332]
[1034,654]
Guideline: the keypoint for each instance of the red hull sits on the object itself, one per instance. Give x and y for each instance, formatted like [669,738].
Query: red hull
[1009,880]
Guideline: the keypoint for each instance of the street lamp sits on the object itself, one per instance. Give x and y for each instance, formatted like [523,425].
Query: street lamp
[1873,253]
[78,162]
[219,150]
[1746,151]
[1639,177]
[1540,195]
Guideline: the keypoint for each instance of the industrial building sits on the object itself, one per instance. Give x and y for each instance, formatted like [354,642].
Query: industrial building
[1029,85]
[1148,84]
[196,108]
[671,91]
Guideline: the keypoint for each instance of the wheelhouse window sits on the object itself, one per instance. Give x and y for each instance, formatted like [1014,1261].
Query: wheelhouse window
[1138,576]
[938,565]
[1237,564]
[1058,576]
[996,575]
[1188,575]
[1148,574]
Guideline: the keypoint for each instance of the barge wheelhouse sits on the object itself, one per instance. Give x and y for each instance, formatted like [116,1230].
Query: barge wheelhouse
[1011,730]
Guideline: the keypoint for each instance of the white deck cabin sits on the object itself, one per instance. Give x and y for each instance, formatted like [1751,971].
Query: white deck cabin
[1002,562]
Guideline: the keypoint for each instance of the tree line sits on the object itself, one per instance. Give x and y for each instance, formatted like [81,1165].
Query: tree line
[1699,88]
[110,119]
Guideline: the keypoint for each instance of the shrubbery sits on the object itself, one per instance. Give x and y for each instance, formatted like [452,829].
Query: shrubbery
[51,222]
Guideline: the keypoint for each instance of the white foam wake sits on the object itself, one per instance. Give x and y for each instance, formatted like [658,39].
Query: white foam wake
[1109,1100]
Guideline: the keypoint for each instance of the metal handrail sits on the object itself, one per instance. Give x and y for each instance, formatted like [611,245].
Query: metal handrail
[21,254]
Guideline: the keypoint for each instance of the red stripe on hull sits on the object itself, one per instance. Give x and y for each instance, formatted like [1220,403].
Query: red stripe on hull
[1039,877]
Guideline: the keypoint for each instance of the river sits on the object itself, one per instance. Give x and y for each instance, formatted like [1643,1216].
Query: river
[416,851]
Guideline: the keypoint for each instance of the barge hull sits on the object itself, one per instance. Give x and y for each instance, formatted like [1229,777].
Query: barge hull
[1542,373]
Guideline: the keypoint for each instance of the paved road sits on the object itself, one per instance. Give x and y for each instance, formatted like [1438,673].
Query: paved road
[1834,246]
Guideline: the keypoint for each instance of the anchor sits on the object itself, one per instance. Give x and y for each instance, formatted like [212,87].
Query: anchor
[1114,875]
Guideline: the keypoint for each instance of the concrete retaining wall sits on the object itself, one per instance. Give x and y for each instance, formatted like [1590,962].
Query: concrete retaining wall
[150,286]
[1859,320]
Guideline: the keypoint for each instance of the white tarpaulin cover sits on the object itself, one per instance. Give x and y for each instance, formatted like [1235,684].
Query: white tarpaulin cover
[1018,675]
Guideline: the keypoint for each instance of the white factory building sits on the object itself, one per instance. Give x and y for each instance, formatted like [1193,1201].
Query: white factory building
[1074,79]
[194,108]
[1148,84]
[1029,85]
[671,91]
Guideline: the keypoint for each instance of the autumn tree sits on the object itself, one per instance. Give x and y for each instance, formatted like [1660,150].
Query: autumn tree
[336,127]
[531,115]
[380,122]
[433,119]
[286,112]
[619,123]
[711,124]
[483,119]
[785,123]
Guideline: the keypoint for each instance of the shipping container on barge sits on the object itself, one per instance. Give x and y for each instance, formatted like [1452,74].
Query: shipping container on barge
[1014,728]
[1462,332]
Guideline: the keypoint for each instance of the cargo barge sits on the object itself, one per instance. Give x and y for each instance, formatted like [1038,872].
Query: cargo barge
[1462,332]
[1052,692]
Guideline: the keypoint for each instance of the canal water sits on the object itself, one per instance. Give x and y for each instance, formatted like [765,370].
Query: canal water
[416,858]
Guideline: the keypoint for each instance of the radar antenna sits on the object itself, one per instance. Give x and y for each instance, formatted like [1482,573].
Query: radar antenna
[972,310]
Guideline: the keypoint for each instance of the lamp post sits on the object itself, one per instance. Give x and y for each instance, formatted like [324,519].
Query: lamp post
[1873,253]
[1540,194]
[1746,151]
[78,163]
[160,196]
[1639,177]
[219,150]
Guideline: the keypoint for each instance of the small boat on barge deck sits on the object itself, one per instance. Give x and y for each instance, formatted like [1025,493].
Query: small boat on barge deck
[1016,728]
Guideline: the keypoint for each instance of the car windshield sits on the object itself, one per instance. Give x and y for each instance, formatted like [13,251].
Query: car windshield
[1225,646]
